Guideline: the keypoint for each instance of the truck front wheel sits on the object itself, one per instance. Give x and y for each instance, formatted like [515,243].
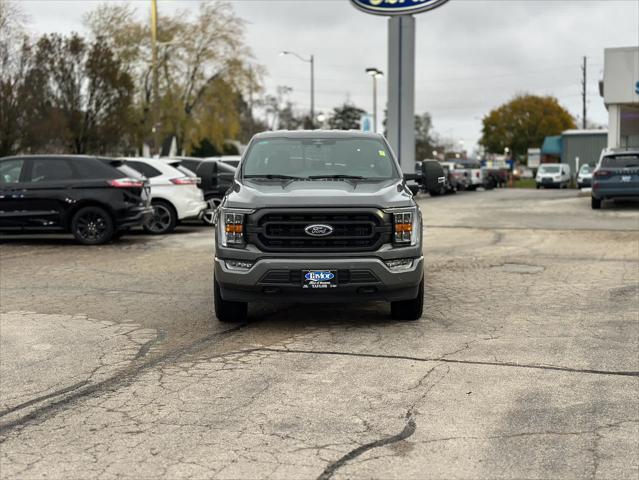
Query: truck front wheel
[409,309]
[226,311]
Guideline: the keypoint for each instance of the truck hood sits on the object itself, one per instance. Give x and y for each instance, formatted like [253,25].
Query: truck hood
[261,193]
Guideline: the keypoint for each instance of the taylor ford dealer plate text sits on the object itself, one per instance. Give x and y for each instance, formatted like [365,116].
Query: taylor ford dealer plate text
[319,279]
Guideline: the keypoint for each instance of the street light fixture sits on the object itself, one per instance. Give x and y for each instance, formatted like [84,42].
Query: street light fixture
[375,73]
[310,60]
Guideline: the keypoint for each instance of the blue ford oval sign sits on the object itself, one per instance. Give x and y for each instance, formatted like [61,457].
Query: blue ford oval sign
[397,7]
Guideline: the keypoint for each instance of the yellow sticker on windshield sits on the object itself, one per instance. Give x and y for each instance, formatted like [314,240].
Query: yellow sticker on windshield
[382,153]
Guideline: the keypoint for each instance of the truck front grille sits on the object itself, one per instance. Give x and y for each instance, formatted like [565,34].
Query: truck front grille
[353,230]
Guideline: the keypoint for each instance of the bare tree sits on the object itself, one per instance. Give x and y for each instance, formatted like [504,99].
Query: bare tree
[15,60]
[203,62]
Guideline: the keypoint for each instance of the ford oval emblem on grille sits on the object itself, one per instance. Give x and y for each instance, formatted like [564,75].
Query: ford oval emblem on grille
[318,230]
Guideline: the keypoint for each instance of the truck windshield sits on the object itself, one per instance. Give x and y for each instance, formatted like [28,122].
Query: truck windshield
[549,169]
[360,158]
[621,161]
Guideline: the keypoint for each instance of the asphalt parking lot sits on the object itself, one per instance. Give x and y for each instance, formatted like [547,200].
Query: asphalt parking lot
[524,365]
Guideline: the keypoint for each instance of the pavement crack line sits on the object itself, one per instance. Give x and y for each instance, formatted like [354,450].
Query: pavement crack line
[407,431]
[42,398]
[144,349]
[119,379]
[452,360]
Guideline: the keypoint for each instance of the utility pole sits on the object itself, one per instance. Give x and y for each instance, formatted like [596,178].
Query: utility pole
[250,102]
[583,91]
[156,88]
[313,92]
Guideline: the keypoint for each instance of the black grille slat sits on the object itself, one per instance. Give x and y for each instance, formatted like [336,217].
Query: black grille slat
[295,277]
[276,276]
[362,276]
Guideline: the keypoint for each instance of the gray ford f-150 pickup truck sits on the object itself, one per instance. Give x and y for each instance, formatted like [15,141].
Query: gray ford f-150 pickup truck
[319,217]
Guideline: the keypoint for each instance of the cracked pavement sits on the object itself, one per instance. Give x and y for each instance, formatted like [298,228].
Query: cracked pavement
[524,365]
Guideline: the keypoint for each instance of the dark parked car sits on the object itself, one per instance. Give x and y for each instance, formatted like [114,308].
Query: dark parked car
[232,160]
[434,179]
[616,176]
[216,178]
[95,199]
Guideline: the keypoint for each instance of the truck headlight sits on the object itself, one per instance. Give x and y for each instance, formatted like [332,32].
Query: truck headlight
[406,226]
[231,227]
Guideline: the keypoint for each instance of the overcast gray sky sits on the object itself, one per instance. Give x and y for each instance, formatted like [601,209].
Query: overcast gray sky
[472,55]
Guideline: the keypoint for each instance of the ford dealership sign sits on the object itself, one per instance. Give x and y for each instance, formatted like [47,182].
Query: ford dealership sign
[397,7]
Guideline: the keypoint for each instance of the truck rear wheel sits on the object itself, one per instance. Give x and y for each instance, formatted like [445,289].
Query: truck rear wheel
[409,309]
[226,311]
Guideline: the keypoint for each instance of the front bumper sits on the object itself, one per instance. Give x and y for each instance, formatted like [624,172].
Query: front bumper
[382,284]
[545,182]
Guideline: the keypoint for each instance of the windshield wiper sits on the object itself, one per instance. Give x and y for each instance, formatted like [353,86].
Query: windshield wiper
[348,177]
[275,177]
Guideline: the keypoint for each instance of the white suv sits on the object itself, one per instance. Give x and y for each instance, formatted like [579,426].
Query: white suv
[175,195]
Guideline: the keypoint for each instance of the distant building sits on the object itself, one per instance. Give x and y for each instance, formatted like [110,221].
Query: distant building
[621,77]
[582,146]
[574,147]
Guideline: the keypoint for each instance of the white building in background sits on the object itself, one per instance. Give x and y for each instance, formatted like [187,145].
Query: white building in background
[621,75]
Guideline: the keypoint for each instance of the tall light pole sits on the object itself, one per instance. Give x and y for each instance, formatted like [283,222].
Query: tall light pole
[375,73]
[310,60]
[156,88]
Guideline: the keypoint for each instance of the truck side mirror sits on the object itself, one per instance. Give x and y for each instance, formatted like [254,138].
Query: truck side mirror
[410,176]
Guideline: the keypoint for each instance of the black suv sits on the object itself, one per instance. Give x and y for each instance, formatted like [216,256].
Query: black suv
[319,216]
[93,198]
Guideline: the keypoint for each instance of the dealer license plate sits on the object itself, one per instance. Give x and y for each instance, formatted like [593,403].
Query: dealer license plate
[626,178]
[319,279]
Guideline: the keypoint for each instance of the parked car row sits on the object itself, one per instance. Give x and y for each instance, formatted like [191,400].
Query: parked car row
[99,199]
[438,178]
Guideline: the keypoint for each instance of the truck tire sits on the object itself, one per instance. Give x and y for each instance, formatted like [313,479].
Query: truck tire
[409,309]
[595,203]
[226,311]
